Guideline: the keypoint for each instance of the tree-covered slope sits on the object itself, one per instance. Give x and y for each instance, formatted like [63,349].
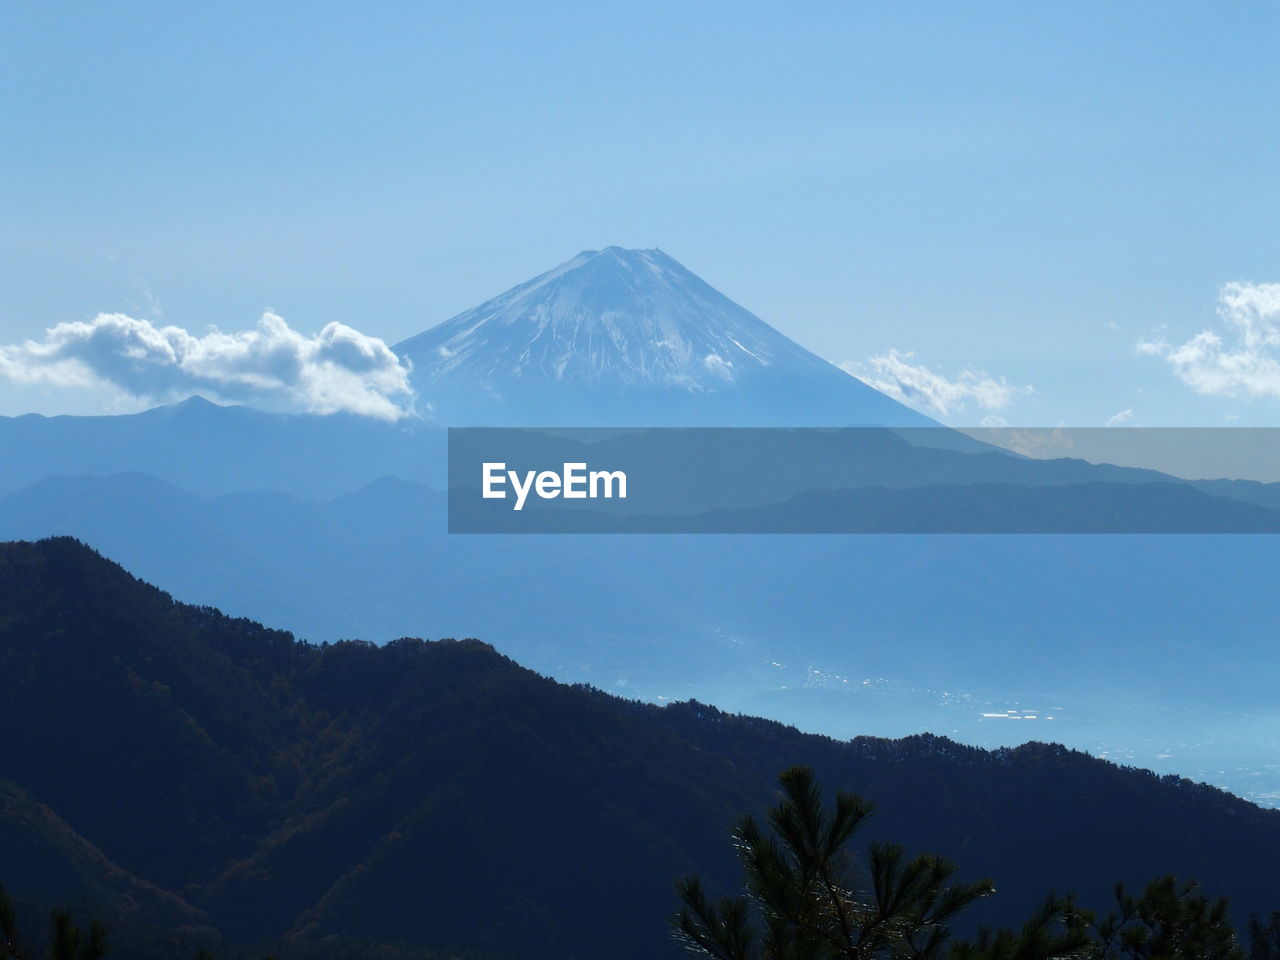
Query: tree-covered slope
[440,794]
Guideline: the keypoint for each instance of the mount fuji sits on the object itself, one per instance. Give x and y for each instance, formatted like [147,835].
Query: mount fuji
[620,337]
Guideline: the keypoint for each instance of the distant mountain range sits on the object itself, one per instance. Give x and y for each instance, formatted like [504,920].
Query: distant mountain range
[615,337]
[1156,650]
[629,337]
[975,508]
[838,634]
[210,449]
[200,777]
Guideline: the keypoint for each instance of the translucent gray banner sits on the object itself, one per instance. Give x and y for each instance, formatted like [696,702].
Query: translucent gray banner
[864,480]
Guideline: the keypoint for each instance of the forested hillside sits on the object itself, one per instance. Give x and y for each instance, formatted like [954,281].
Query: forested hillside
[199,773]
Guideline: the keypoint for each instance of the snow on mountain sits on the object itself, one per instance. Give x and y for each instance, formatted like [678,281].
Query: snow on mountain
[629,337]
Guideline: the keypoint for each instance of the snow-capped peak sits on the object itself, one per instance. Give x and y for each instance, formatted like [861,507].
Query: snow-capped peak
[632,318]
[606,325]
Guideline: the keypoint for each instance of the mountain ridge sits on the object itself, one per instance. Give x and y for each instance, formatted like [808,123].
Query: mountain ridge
[211,449]
[440,794]
[835,633]
[629,337]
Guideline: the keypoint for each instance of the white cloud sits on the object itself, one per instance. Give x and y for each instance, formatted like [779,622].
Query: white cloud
[916,384]
[718,365]
[1247,367]
[1121,418]
[338,369]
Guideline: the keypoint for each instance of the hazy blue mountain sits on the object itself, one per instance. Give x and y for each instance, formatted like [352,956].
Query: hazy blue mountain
[974,508]
[211,449]
[440,794]
[629,337]
[844,634]
[611,337]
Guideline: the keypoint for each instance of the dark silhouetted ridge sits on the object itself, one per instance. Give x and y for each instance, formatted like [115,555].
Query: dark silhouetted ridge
[438,794]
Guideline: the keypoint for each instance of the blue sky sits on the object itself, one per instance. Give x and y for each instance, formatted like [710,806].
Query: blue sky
[1023,192]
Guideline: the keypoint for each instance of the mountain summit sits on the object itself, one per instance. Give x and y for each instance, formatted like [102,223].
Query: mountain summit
[630,337]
